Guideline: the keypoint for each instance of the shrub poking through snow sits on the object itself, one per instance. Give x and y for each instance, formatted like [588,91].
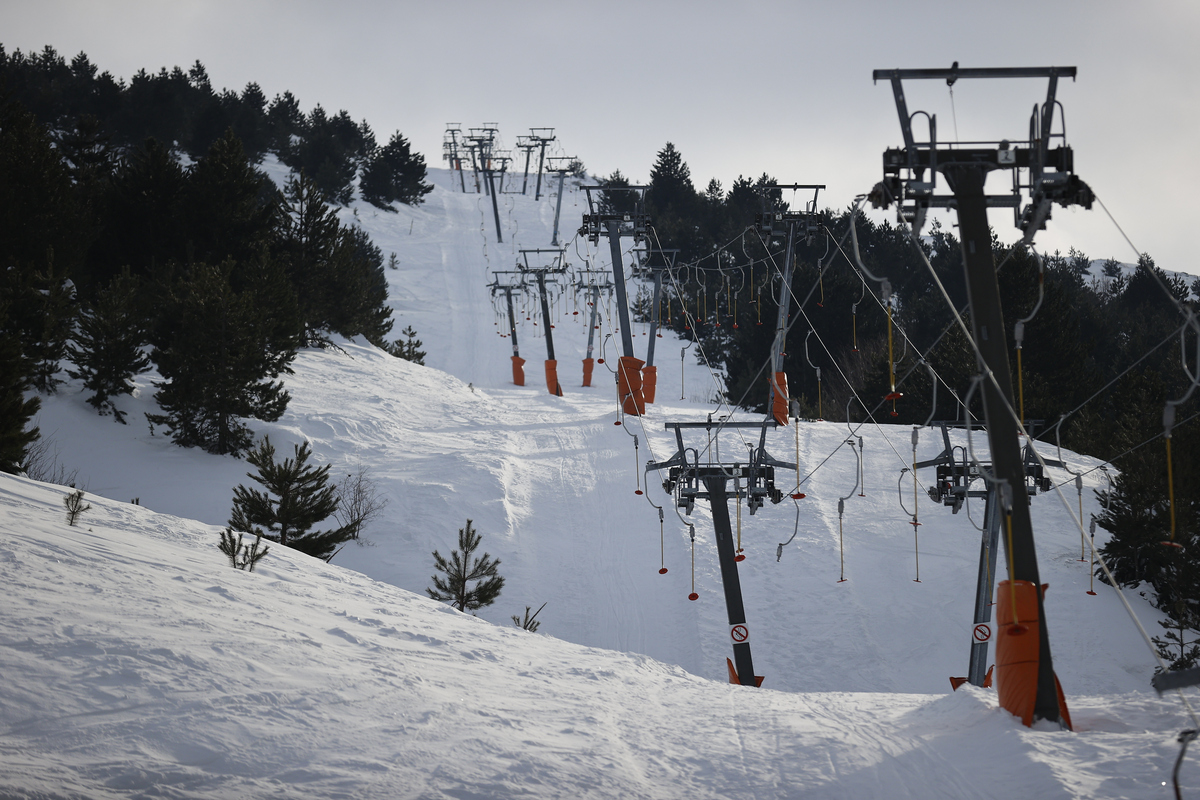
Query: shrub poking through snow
[74,503]
[530,623]
[241,556]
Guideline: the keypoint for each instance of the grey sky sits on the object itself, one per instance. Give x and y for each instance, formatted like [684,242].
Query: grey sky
[740,88]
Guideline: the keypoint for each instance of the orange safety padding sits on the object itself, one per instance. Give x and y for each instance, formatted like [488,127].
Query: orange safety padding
[552,378]
[1017,653]
[733,676]
[987,680]
[629,385]
[649,382]
[588,364]
[779,403]
[518,370]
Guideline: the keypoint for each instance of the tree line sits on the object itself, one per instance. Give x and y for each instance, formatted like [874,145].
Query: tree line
[1100,359]
[91,111]
[114,256]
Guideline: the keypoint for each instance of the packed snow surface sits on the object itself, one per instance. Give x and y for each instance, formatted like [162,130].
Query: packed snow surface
[137,663]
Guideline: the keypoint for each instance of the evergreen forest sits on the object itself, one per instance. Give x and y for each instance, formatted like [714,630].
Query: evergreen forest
[136,228]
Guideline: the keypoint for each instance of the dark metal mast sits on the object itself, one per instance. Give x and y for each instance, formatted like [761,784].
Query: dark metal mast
[966,170]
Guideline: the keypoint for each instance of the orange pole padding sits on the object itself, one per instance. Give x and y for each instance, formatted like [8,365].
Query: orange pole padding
[629,385]
[518,370]
[779,403]
[987,680]
[1017,652]
[649,382]
[588,365]
[733,676]
[552,378]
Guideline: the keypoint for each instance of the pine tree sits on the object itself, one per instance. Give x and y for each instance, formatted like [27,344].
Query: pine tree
[297,497]
[460,571]
[141,220]
[408,348]
[359,306]
[107,351]
[220,355]
[230,207]
[42,311]
[330,153]
[306,243]
[16,411]
[337,271]
[394,174]
[671,181]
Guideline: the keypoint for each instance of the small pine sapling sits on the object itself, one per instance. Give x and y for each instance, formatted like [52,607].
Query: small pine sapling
[74,503]
[460,571]
[1179,646]
[408,348]
[530,623]
[241,556]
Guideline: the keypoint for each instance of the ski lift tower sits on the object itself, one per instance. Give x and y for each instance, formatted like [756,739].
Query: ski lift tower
[507,283]
[543,137]
[788,224]
[560,166]
[1025,679]
[592,283]
[450,150]
[503,157]
[483,141]
[528,145]
[542,275]
[650,266]
[615,225]
[689,480]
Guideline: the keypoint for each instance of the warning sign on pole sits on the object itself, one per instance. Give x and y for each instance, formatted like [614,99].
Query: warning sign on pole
[739,633]
[982,633]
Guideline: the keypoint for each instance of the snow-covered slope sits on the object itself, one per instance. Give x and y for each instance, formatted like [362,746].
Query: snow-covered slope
[138,664]
[550,482]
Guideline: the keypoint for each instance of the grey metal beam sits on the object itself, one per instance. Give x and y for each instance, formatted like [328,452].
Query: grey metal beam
[734,607]
[973,72]
[977,671]
[614,245]
[987,321]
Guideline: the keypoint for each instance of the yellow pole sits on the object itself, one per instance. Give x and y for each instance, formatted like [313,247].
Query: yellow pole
[1170,487]
[1021,388]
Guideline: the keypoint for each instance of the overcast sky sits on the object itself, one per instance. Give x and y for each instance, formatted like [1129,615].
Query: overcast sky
[740,88]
